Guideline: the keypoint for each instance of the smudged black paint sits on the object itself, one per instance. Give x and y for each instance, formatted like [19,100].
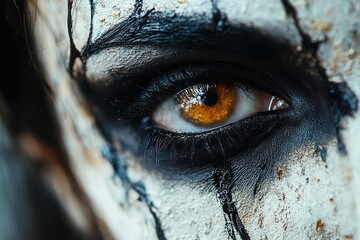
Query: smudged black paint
[120,169]
[223,181]
[344,102]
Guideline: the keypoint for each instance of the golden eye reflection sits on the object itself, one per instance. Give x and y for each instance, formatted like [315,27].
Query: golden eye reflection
[206,104]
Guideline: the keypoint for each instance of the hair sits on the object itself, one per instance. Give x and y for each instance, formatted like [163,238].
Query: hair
[30,143]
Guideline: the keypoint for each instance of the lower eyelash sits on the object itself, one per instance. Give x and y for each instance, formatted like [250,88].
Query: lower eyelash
[181,149]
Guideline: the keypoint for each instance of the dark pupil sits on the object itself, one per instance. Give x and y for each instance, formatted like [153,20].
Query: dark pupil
[210,97]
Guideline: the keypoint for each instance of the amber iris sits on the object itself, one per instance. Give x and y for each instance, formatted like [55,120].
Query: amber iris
[206,104]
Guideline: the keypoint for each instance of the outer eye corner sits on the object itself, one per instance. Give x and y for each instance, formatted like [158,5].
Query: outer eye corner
[277,103]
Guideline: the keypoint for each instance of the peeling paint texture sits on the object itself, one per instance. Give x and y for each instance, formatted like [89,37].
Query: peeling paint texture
[313,193]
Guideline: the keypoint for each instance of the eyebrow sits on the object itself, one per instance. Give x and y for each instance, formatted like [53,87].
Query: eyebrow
[169,30]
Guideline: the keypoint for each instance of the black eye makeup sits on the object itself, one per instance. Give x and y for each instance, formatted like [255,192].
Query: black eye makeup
[211,103]
[208,113]
[204,113]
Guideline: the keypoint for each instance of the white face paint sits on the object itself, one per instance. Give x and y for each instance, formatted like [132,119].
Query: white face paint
[280,188]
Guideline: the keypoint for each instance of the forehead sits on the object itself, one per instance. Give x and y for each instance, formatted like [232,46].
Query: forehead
[101,16]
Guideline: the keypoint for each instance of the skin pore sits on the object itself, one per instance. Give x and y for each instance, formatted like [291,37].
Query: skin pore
[287,174]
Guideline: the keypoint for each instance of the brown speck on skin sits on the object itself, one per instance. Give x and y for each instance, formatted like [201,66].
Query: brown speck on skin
[348,237]
[315,153]
[102,21]
[323,27]
[338,57]
[285,225]
[347,174]
[352,54]
[281,171]
[319,226]
[181,1]
[331,199]
[116,15]
[260,221]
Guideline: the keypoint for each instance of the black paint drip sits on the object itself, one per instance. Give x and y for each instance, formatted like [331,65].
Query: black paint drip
[120,169]
[223,182]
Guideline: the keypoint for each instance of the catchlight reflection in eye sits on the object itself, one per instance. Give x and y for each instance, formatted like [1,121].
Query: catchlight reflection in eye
[203,107]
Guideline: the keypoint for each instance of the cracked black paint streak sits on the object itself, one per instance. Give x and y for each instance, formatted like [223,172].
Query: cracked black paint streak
[218,17]
[222,178]
[343,100]
[74,52]
[307,43]
[133,24]
[120,170]
[92,13]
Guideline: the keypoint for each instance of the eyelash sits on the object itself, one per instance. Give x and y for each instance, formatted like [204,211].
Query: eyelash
[209,147]
[173,81]
[199,149]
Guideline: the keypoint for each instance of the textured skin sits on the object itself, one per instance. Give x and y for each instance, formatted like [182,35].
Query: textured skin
[308,198]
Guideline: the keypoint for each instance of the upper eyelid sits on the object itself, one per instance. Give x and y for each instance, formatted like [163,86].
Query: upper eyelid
[162,29]
[105,66]
[247,78]
[176,80]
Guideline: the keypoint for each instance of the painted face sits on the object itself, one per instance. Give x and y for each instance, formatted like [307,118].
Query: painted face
[210,119]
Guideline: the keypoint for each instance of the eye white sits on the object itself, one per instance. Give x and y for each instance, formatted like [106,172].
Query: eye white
[167,115]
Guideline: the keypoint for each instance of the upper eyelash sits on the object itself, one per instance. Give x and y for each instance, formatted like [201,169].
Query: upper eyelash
[169,83]
[245,88]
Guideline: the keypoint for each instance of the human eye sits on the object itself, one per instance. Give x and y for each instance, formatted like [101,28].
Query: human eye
[207,112]
[202,113]
[208,104]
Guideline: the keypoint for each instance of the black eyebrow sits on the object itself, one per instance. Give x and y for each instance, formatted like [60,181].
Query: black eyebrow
[170,30]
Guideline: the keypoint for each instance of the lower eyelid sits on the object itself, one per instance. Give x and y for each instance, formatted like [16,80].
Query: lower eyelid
[156,145]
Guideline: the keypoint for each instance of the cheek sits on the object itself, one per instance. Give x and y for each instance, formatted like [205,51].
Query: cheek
[186,211]
[306,197]
[180,208]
